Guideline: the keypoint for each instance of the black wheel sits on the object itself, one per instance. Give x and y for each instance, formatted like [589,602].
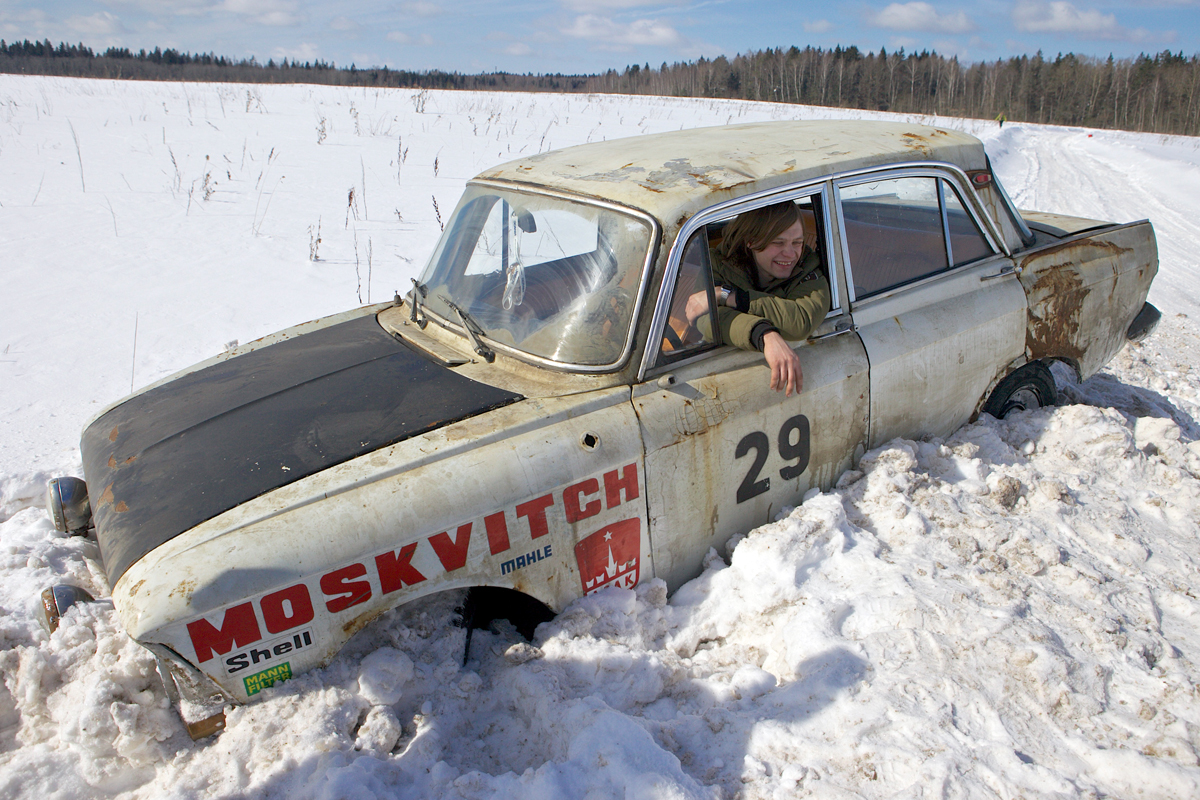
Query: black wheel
[1031,386]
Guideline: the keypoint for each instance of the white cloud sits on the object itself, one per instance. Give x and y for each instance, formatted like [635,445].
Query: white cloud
[612,35]
[518,49]
[902,43]
[170,7]
[1033,16]
[818,26]
[278,13]
[609,5]
[101,23]
[344,24]
[400,37]
[22,23]
[305,52]
[420,8]
[921,17]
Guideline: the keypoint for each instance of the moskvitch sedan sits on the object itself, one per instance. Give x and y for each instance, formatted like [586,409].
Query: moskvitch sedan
[538,417]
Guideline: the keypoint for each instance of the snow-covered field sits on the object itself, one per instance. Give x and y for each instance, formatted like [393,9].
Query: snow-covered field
[1011,612]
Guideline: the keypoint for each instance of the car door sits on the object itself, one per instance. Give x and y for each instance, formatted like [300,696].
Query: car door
[724,452]
[936,302]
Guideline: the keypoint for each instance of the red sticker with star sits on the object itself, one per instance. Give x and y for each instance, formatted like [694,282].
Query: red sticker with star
[609,557]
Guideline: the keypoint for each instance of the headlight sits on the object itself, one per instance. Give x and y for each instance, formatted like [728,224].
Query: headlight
[67,502]
[55,602]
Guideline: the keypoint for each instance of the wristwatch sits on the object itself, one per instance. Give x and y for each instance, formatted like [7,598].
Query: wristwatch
[723,293]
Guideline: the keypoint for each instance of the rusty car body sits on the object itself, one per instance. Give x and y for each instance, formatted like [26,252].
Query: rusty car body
[536,416]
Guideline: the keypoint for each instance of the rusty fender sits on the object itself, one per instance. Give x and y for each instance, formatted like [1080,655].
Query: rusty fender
[1083,293]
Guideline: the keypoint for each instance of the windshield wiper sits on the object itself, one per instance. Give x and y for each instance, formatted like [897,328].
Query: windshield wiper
[473,329]
[418,291]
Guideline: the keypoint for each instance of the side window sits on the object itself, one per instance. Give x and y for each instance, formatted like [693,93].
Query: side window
[894,233]
[900,230]
[967,242]
[683,337]
[691,324]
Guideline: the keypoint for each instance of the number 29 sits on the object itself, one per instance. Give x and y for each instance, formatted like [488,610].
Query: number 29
[793,446]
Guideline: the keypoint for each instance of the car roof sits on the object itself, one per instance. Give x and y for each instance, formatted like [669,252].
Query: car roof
[673,175]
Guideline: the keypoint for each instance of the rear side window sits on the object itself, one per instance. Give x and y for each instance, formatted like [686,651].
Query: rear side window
[901,230]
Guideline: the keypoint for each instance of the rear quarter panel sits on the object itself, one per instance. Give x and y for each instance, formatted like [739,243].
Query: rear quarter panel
[1083,292]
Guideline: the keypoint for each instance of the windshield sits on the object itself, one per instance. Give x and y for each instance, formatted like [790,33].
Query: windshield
[548,276]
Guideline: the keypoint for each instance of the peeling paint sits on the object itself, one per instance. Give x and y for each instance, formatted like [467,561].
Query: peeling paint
[1084,292]
[356,624]
[184,589]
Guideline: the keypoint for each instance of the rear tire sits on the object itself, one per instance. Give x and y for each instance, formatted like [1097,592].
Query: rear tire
[1031,386]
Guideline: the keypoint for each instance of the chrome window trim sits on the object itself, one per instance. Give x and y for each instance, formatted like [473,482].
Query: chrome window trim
[716,213]
[941,194]
[851,295]
[928,279]
[647,266]
[933,169]
[1027,237]
[925,169]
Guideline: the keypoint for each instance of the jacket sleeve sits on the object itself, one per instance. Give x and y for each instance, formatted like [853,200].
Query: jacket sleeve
[795,314]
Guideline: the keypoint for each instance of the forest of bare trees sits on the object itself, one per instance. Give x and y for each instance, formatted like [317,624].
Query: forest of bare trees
[1159,93]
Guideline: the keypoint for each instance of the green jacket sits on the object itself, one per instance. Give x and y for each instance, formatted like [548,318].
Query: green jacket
[794,305]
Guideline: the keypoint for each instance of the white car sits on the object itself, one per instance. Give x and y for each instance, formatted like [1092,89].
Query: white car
[538,416]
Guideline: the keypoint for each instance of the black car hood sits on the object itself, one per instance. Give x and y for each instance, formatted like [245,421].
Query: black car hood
[172,457]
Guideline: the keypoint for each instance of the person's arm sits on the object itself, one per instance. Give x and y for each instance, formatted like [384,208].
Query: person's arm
[797,315]
[794,317]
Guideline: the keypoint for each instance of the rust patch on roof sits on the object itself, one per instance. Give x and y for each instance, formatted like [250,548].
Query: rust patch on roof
[917,142]
[678,172]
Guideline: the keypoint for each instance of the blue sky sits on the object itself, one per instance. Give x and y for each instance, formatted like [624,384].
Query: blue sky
[573,36]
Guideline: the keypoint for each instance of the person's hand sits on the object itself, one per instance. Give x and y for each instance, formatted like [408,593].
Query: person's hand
[697,306]
[784,363]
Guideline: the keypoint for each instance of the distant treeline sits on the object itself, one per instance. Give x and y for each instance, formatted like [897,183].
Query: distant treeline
[1159,93]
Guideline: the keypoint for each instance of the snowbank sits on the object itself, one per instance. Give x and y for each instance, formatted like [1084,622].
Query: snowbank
[1009,612]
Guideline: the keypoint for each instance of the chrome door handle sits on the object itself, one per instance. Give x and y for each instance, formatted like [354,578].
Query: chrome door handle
[1006,271]
[842,327]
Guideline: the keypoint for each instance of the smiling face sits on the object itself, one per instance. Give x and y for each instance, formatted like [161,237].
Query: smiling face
[777,260]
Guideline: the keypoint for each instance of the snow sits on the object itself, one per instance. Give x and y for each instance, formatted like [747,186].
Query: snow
[1008,612]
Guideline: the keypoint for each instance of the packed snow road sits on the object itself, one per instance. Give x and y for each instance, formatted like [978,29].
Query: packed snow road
[1009,612]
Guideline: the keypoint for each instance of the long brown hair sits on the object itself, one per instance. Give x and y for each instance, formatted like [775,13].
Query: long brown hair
[754,230]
